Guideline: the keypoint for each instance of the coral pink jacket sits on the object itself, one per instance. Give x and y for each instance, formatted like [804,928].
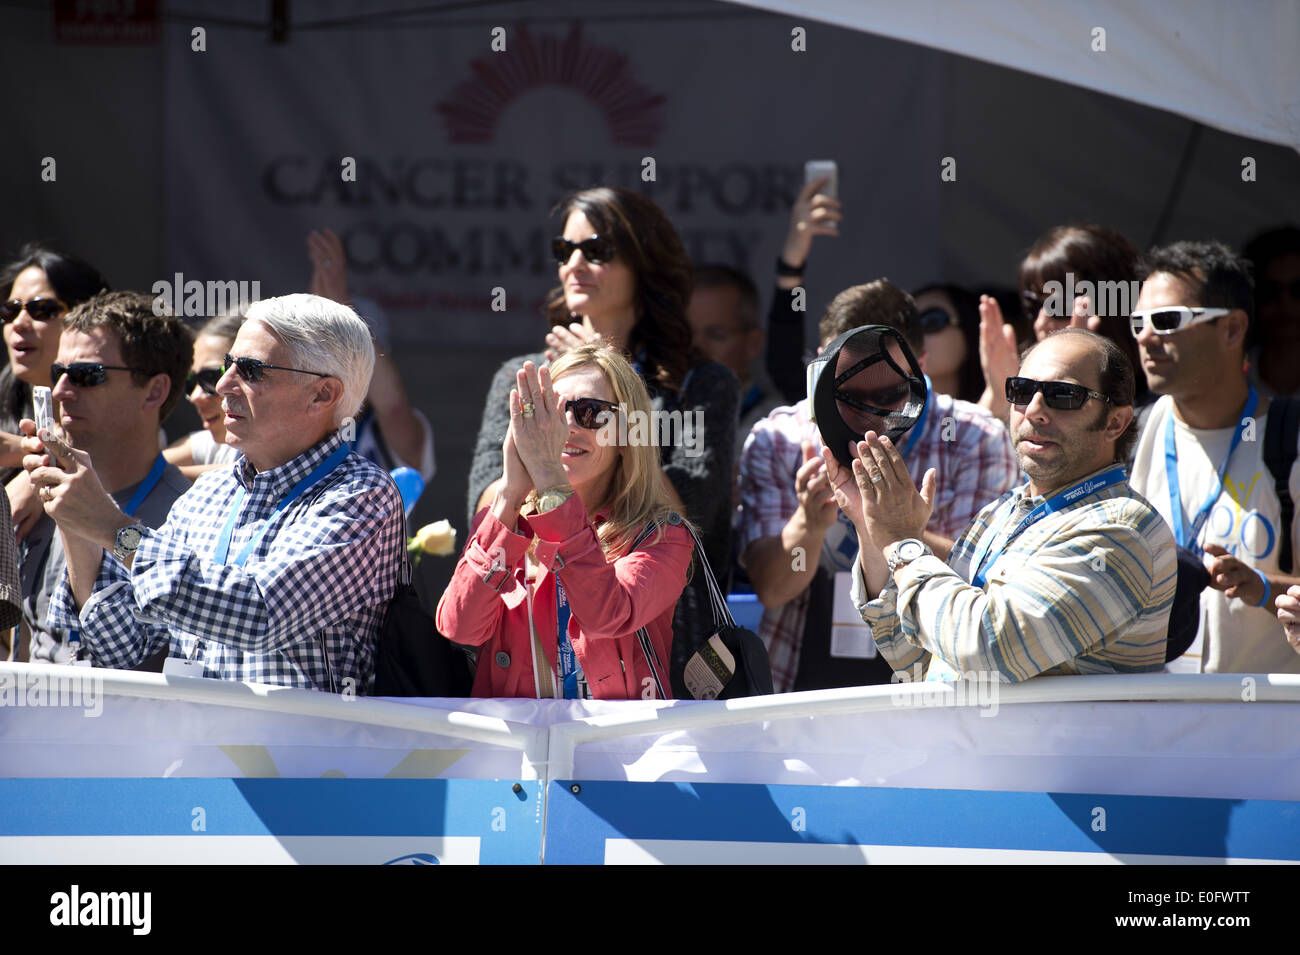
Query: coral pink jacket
[486,604]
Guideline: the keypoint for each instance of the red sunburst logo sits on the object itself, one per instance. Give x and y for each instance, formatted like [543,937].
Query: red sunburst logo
[634,114]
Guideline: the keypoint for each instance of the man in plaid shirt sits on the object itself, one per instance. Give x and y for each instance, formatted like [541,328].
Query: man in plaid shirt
[794,539]
[276,569]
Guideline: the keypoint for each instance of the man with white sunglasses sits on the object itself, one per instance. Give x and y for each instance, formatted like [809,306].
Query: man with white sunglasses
[1200,456]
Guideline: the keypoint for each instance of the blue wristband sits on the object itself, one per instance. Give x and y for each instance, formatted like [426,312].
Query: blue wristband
[1268,591]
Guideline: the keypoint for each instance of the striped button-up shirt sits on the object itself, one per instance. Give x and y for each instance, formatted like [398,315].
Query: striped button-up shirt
[969,448]
[303,610]
[1086,589]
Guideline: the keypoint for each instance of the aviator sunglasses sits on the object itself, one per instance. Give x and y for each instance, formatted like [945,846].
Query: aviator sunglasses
[590,413]
[595,250]
[86,374]
[205,378]
[252,369]
[40,309]
[1059,395]
[1173,318]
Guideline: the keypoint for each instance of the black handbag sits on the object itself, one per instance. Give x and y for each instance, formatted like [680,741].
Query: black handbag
[731,662]
[413,658]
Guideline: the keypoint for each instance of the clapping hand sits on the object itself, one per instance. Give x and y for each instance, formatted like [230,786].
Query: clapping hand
[539,425]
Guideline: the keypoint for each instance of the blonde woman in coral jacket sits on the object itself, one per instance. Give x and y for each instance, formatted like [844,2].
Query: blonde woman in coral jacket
[550,585]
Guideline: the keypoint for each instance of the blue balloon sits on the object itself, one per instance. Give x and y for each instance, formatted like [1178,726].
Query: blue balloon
[410,485]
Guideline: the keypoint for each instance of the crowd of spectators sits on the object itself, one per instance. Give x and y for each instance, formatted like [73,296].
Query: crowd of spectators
[1100,478]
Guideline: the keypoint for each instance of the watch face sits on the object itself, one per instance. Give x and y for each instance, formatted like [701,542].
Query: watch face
[910,550]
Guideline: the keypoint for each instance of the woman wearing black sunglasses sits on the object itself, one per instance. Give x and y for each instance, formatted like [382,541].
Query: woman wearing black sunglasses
[625,277]
[40,286]
[202,449]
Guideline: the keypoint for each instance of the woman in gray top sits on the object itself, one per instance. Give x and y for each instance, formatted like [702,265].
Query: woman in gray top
[625,278]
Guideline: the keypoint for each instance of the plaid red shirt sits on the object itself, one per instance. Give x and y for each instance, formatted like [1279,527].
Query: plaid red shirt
[969,448]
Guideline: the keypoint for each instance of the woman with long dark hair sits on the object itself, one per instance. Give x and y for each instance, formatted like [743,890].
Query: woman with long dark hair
[625,277]
[40,287]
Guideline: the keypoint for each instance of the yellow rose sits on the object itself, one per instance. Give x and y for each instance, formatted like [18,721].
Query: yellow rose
[437,539]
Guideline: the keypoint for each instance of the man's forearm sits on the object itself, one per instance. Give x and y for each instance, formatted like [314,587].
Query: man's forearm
[778,573]
[83,560]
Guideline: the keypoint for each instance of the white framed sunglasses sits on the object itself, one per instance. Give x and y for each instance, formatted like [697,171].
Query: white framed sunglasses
[1173,318]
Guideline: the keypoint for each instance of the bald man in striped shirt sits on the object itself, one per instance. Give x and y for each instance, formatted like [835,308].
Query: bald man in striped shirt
[1073,572]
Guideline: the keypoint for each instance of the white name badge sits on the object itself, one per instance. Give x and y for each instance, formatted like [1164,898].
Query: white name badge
[850,634]
[179,666]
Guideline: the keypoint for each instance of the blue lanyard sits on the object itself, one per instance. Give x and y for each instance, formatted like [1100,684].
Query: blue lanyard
[571,676]
[223,542]
[915,434]
[1191,539]
[146,486]
[1115,474]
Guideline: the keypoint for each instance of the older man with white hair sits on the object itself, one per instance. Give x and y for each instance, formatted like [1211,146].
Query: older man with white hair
[276,569]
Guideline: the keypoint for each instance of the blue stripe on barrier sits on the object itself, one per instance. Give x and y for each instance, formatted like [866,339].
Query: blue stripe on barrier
[578,825]
[509,823]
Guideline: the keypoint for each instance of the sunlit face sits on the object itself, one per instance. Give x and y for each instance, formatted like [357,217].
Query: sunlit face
[717,320]
[268,420]
[599,291]
[32,345]
[209,352]
[587,462]
[1186,362]
[94,415]
[1056,448]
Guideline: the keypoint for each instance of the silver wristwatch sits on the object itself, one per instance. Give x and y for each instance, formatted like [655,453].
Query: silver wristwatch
[128,540]
[906,551]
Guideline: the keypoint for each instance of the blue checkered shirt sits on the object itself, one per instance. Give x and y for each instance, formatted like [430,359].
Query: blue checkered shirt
[304,609]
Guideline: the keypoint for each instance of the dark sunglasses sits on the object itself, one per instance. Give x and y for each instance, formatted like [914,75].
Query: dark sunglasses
[1267,291]
[205,378]
[1059,395]
[591,413]
[86,374]
[595,250]
[876,402]
[252,369]
[40,309]
[934,320]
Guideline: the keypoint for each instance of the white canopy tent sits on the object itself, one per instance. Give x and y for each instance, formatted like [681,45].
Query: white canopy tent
[1233,66]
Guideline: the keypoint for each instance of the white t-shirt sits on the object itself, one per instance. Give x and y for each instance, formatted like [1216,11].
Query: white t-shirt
[1235,637]
[205,450]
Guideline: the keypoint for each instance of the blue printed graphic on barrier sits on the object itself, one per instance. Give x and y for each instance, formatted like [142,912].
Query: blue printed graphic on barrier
[380,821]
[718,822]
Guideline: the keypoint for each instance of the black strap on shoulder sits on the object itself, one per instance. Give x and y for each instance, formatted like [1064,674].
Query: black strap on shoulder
[1280,437]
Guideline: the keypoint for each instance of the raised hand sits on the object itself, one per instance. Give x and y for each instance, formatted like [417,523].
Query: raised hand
[329,277]
[539,425]
[812,215]
[999,358]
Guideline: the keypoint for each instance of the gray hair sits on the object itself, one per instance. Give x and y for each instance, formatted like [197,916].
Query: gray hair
[323,336]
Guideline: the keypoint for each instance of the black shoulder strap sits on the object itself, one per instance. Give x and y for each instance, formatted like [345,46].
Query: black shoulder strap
[1280,437]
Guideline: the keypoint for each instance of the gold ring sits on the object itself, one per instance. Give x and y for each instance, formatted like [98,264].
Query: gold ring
[528,409]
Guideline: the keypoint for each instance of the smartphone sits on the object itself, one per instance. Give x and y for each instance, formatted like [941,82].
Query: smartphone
[819,168]
[43,403]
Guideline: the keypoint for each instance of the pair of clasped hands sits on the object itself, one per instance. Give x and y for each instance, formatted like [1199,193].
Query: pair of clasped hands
[534,442]
[877,494]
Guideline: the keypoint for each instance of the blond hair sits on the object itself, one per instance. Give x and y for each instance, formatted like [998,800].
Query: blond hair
[638,491]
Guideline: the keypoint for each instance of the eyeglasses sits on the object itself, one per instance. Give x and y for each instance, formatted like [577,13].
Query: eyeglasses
[86,374]
[1173,318]
[1059,395]
[252,369]
[595,250]
[880,401]
[934,320]
[40,309]
[1032,303]
[205,378]
[591,413]
[1267,291]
